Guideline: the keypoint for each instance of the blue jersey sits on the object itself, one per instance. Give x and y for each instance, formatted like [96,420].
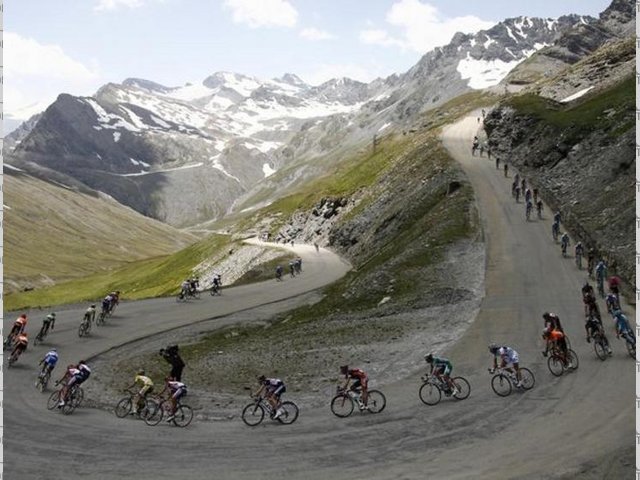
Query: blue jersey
[51,358]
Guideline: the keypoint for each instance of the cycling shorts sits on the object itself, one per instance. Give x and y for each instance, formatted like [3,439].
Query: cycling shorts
[357,383]
[179,393]
[444,369]
[146,389]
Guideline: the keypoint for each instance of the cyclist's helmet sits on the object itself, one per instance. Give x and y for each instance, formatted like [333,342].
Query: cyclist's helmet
[140,372]
[54,349]
[24,315]
[262,378]
[493,348]
[53,314]
[93,306]
[546,315]
[428,358]
[344,369]
[617,313]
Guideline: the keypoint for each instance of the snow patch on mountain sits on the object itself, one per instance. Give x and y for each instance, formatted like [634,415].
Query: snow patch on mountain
[267,170]
[576,95]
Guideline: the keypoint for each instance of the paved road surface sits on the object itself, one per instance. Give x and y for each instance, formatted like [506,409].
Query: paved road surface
[550,431]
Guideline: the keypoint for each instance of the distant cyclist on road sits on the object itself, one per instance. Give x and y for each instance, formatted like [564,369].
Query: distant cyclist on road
[564,242]
[279,271]
[90,314]
[19,326]
[273,389]
[601,274]
[360,379]
[579,252]
[612,302]
[176,390]
[508,356]
[592,326]
[74,375]
[21,342]
[48,362]
[441,367]
[622,326]
[48,323]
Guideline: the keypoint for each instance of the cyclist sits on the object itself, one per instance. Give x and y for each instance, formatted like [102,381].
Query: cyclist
[75,375]
[555,340]
[90,314]
[497,163]
[48,362]
[273,389]
[21,344]
[514,185]
[592,326]
[115,299]
[535,194]
[579,252]
[106,303]
[517,193]
[529,208]
[47,323]
[177,390]
[194,284]
[360,379]
[185,287]
[564,242]
[555,229]
[601,274]
[279,273]
[527,195]
[441,368]
[516,178]
[539,207]
[591,306]
[524,184]
[146,387]
[614,285]
[292,268]
[217,282]
[508,356]
[506,169]
[587,289]
[557,217]
[612,303]
[622,326]
[18,327]
[552,322]
[591,260]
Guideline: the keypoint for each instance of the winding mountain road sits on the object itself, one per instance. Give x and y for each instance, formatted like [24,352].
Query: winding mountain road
[580,425]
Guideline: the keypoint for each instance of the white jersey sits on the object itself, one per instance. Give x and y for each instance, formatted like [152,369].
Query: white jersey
[508,354]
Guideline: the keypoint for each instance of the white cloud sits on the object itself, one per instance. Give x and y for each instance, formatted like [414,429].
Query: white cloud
[263,13]
[325,72]
[114,4]
[35,73]
[315,34]
[421,27]
[376,36]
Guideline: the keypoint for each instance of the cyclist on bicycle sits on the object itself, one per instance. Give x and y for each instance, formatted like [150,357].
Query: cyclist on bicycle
[535,194]
[177,390]
[622,326]
[107,303]
[18,327]
[360,380]
[74,375]
[601,273]
[555,230]
[146,387]
[279,272]
[217,282]
[273,389]
[529,208]
[579,252]
[591,260]
[555,341]
[591,306]
[441,368]
[194,284]
[49,362]
[539,207]
[527,195]
[612,303]
[508,356]
[557,217]
[506,169]
[564,242]
[21,344]
[552,322]
[90,314]
[614,285]
[593,325]
[47,323]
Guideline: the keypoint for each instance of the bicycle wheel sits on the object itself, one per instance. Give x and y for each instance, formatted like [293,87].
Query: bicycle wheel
[342,406]
[77,395]
[290,413]
[253,414]
[430,394]
[463,386]
[181,298]
[599,348]
[501,385]
[527,379]
[556,365]
[41,383]
[101,318]
[54,400]
[37,340]
[572,358]
[376,401]
[69,407]
[123,407]
[148,408]
[183,416]
[82,330]
[155,417]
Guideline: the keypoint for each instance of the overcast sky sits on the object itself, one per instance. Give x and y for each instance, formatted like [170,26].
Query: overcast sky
[75,46]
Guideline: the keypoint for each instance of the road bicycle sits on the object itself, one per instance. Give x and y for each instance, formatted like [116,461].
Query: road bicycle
[559,362]
[102,316]
[85,327]
[215,290]
[630,342]
[579,261]
[74,398]
[125,406]
[185,294]
[14,357]
[555,231]
[433,387]
[600,342]
[504,380]
[254,413]
[42,334]
[43,379]
[182,416]
[343,404]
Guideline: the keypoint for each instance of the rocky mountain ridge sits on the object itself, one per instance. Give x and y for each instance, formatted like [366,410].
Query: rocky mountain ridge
[190,154]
